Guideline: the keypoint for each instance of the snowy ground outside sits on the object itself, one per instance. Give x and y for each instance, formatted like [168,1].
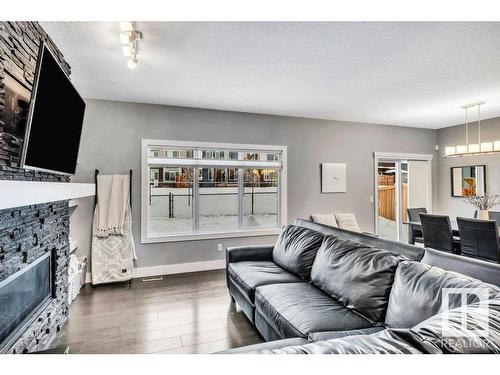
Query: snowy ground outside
[387,229]
[164,225]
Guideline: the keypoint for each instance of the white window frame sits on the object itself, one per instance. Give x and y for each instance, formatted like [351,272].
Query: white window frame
[398,157]
[146,161]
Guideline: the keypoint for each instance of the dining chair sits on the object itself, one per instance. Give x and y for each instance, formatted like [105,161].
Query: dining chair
[495,215]
[437,233]
[415,231]
[414,213]
[479,238]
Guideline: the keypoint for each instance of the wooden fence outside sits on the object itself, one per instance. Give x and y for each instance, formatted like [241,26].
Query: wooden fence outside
[387,201]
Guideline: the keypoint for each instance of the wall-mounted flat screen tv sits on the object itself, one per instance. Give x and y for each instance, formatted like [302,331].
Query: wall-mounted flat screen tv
[55,119]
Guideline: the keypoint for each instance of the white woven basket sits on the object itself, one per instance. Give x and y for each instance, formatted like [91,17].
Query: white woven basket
[77,279]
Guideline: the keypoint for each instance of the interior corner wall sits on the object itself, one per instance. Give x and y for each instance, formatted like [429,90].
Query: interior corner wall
[455,135]
[111,142]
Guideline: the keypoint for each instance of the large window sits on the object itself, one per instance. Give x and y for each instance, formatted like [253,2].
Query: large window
[201,190]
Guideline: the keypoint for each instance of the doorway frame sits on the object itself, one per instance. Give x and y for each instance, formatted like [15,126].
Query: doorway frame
[398,157]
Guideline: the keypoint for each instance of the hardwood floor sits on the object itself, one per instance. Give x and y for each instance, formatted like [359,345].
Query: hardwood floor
[186,313]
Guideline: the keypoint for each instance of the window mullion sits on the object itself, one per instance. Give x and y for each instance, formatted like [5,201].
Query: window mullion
[241,190]
[279,188]
[196,206]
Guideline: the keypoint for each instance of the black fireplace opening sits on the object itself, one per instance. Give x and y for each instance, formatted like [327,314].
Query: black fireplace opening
[23,296]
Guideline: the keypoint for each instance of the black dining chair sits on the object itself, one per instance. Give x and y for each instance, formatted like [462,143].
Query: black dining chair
[479,239]
[415,231]
[437,233]
[495,215]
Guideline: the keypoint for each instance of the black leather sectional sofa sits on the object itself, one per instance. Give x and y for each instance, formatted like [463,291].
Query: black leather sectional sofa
[321,289]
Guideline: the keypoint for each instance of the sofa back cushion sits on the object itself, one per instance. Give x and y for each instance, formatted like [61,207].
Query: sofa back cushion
[411,252]
[357,275]
[469,329]
[479,269]
[296,249]
[418,289]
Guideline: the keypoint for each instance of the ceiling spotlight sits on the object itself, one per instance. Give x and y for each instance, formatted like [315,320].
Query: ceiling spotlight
[132,63]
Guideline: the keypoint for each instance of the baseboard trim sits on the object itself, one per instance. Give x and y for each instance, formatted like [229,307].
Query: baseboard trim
[172,269]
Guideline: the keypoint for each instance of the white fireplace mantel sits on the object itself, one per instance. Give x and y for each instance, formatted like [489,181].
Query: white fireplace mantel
[25,193]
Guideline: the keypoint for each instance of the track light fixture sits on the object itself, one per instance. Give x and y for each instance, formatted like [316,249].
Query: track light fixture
[129,38]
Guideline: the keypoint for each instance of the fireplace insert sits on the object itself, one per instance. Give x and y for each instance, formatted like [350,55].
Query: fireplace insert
[23,296]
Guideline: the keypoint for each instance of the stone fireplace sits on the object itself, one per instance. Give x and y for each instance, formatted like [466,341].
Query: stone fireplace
[23,297]
[29,233]
[26,234]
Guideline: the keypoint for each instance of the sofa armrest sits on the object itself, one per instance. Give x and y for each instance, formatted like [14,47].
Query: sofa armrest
[252,252]
[247,253]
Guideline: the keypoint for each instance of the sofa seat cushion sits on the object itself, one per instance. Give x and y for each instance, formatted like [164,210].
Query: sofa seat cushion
[418,289]
[384,342]
[296,310]
[330,335]
[251,274]
[357,275]
[296,249]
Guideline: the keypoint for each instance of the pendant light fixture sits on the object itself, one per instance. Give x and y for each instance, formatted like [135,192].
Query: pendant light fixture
[468,149]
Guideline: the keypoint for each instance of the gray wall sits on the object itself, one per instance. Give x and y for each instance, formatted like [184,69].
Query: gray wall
[111,142]
[455,135]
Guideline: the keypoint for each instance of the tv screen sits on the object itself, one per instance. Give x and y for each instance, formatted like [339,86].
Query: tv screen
[55,119]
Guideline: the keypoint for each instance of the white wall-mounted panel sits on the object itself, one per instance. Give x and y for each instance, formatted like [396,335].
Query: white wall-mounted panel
[333,177]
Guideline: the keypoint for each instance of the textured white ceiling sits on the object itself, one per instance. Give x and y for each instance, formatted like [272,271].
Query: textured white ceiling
[409,74]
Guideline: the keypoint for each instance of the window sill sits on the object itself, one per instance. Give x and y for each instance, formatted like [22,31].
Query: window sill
[211,235]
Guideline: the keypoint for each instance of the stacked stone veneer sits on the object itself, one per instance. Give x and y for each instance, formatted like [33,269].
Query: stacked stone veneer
[26,233]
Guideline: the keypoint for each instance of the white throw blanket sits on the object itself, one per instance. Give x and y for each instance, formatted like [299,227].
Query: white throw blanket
[113,201]
[113,256]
